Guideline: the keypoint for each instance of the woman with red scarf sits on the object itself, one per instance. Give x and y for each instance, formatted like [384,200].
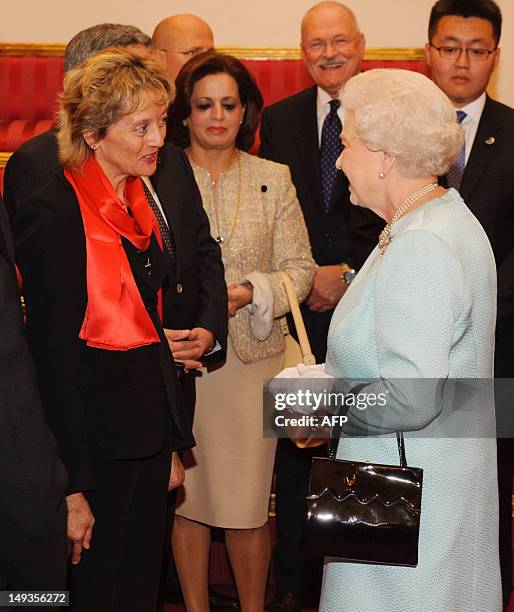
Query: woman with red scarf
[91,256]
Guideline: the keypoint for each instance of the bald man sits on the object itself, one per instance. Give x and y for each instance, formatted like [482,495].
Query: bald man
[302,131]
[178,38]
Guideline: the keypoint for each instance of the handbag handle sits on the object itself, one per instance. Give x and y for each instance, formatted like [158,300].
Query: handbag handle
[303,339]
[336,436]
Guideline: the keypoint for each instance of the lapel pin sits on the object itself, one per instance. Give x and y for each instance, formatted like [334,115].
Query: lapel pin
[490,140]
[264,188]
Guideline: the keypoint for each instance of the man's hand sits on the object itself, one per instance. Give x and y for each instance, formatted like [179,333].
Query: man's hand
[177,473]
[189,345]
[327,290]
[238,297]
[80,525]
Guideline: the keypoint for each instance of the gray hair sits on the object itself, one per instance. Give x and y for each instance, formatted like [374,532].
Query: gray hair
[404,114]
[99,37]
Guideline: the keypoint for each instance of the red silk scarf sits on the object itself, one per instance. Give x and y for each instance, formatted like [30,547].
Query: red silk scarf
[116,318]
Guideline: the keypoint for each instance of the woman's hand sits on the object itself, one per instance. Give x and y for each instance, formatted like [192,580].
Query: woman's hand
[80,525]
[177,473]
[238,297]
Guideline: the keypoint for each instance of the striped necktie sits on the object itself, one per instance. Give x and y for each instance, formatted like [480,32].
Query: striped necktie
[167,240]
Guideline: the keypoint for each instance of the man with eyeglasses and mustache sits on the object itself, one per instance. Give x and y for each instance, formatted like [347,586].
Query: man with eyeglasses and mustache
[178,38]
[302,131]
[463,53]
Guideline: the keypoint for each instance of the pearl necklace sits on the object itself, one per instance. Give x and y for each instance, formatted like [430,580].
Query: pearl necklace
[385,235]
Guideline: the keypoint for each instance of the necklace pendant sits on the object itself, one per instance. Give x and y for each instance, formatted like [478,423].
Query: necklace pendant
[220,240]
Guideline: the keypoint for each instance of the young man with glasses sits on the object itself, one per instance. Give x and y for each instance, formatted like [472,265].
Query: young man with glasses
[463,53]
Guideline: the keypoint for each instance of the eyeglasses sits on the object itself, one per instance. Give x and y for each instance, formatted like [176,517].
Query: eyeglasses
[188,53]
[473,54]
[317,47]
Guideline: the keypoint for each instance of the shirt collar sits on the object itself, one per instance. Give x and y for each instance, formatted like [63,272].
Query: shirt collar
[474,109]
[322,100]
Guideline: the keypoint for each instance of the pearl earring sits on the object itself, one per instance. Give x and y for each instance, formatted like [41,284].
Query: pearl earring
[381,175]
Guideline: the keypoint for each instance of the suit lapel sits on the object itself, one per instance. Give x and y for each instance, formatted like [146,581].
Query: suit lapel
[484,149]
[305,136]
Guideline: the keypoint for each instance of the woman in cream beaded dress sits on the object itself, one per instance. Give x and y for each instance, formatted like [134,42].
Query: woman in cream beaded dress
[422,307]
[256,218]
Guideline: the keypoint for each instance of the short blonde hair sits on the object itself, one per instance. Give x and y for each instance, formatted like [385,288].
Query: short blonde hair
[103,89]
[403,113]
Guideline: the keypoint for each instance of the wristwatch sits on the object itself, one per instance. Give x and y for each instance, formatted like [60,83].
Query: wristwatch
[348,274]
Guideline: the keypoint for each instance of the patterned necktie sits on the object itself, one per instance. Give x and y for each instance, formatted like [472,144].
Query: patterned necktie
[166,238]
[454,175]
[331,148]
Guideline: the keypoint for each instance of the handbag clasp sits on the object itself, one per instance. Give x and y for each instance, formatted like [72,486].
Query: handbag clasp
[350,480]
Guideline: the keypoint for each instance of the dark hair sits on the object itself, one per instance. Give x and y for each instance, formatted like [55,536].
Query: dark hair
[196,69]
[483,9]
[100,37]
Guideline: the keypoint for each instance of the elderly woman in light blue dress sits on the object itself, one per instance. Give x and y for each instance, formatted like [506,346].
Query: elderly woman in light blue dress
[422,307]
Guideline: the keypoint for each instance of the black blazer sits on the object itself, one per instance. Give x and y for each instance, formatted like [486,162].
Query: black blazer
[101,405]
[289,135]
[32,479]
[488,190]
[197,294]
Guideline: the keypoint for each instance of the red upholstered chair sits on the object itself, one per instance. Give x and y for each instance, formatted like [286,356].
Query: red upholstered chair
[28,96]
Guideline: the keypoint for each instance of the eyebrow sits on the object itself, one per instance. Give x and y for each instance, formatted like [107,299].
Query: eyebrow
[209,98]
[473,41]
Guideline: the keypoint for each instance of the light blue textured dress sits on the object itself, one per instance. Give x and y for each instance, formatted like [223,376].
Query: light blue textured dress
[425,309]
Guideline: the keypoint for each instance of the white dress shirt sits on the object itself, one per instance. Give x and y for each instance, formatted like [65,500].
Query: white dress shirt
[470,123]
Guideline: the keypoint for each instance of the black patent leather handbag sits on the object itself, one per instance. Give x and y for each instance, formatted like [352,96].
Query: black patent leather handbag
[364,512]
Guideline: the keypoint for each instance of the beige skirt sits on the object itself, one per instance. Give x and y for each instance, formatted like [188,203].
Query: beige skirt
[229,472]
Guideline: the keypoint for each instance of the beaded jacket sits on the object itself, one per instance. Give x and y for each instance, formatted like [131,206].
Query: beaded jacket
[255,215]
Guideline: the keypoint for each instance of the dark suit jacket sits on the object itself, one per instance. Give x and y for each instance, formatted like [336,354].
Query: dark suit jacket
[32,479]
[28,169]
[488,189]
[198,293]
[289,135]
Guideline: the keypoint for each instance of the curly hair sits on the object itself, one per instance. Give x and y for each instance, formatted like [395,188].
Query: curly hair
[404,114]
[196,69]
[106,87]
